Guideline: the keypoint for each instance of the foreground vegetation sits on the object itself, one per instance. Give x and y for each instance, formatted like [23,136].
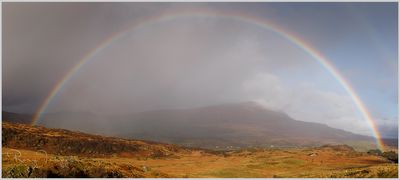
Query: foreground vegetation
[305,162]
[40,152]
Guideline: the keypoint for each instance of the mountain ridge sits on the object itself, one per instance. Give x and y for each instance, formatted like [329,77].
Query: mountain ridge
[243,124]
[234,125]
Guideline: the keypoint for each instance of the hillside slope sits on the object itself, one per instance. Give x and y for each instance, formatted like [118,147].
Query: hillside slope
[236,125]
[31,151]
[16,117]
[65,142]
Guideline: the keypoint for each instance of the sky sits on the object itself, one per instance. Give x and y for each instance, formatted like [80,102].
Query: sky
[193,61]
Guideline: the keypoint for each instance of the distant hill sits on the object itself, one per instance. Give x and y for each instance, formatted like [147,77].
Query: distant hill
[390,142]
[229,126]
[16,118]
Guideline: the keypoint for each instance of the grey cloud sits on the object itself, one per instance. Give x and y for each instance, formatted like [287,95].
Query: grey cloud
[185,62]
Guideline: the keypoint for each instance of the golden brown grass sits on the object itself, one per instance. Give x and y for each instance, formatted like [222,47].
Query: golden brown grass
[260,163]
[75,154]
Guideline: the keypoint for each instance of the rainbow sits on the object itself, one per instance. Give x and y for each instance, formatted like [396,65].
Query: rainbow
[244,18]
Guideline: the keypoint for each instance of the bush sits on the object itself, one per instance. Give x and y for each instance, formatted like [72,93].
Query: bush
[375,152]
[391,156]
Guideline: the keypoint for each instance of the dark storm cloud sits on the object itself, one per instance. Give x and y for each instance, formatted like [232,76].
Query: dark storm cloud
[42,41]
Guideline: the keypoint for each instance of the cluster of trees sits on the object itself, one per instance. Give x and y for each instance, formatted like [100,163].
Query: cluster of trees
[390,155]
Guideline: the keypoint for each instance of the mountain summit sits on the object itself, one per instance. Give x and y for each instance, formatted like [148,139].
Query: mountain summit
[228,125]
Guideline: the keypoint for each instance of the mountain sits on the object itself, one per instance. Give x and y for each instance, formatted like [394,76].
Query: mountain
[16,118]
[228,126]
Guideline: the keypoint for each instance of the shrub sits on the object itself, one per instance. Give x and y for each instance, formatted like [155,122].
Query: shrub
[391,156]
[375,152]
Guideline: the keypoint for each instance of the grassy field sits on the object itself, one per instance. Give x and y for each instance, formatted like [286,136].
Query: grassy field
[304,162]
[30,151]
